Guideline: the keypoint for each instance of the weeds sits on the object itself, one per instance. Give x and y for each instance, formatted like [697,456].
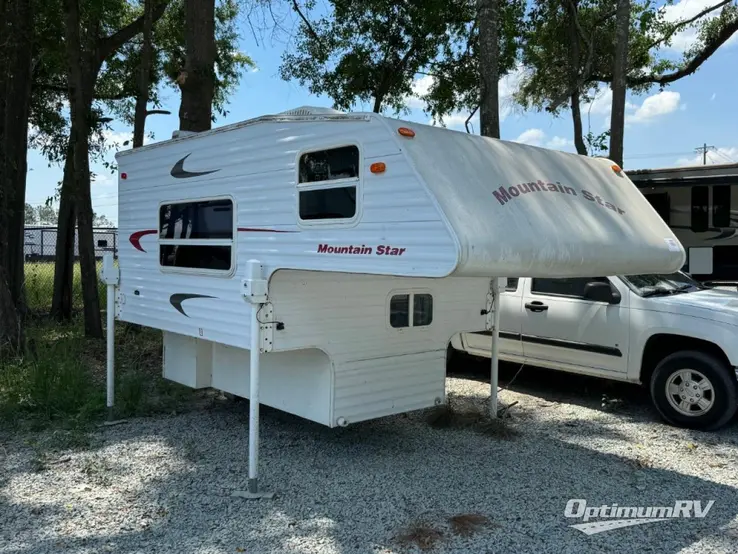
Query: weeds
[60,379]
[464,414]
[426,535]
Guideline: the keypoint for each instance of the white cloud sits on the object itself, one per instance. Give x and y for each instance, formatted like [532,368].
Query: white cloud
[534,137]
[560,143]
[420,88]
[602,104]
[714,157]
[657,105]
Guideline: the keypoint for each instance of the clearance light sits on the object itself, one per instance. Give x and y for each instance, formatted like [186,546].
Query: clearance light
[405,132]
[616,168]
[124,176]
[377,167]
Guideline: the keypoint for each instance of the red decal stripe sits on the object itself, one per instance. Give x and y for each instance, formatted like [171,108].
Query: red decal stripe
[136,237]
[254,230]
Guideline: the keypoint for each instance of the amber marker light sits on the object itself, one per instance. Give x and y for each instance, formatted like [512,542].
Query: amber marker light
[405,132]
[377,167]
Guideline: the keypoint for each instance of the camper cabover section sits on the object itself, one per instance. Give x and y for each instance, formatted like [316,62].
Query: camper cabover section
[365,242]
[700,204]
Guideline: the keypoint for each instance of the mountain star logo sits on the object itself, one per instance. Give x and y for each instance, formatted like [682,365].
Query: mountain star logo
[628,516]
[179,172]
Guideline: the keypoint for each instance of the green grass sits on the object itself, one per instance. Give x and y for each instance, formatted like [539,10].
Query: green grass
[60,380]
[40,285]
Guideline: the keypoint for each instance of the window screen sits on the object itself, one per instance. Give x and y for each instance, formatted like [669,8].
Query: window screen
[421,314]
[328,165]
[700,208]
[320,197]
[196,235]
[721,206]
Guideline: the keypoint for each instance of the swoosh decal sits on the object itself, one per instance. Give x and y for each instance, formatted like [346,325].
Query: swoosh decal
[255,230]
[135,238]
[725,234]
[179,172]
[177,299]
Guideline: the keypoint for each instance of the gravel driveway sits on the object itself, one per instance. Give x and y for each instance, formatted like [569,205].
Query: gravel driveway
[394,485]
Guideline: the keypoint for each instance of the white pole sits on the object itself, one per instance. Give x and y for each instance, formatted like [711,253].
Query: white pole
[111,348]
[110,275]
[494,378]
[254,402]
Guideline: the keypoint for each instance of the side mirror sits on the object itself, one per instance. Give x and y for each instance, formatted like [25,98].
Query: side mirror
[601,292]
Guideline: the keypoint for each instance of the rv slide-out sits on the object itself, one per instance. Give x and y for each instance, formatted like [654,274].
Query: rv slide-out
[377,239]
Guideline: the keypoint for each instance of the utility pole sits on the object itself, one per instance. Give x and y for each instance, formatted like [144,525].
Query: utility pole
[704,149]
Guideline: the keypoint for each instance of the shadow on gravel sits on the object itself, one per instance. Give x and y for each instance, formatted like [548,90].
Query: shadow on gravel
[391,485]
[631,402]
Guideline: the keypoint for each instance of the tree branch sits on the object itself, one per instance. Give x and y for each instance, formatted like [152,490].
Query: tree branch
[687,69]
[65,90]
[107,46]
[306,21]
[681,24]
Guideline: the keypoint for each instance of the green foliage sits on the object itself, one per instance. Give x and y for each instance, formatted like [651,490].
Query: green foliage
[371,51]
[456,72]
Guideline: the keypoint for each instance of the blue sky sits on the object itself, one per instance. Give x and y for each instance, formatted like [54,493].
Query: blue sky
[663,128]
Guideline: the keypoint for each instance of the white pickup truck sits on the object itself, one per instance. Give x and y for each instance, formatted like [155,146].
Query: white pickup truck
[668,332]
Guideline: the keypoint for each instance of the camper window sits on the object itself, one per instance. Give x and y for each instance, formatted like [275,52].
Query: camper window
[196,235]
[700,215]
[327,184]
[402,316]
[721,206]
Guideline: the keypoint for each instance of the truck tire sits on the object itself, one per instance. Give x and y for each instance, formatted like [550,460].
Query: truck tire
[695,390]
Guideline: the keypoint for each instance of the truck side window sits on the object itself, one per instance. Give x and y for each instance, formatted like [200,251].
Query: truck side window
[512,284]
[571,287]
[327,184]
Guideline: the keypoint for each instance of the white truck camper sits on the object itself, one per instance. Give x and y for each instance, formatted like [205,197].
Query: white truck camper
[320,262]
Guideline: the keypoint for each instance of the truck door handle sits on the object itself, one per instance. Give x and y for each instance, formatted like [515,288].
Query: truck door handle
[536,306]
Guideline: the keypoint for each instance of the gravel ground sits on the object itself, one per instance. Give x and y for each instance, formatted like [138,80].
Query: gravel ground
[393,485]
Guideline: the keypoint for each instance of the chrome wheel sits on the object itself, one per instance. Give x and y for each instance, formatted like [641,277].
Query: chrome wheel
[690,392]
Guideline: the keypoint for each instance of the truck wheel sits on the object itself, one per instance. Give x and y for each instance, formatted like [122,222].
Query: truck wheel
[695,390]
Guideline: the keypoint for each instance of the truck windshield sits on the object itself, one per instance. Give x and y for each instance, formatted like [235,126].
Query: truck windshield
[662,284]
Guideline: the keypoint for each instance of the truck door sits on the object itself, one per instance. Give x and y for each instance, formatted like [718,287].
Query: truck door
[561,326]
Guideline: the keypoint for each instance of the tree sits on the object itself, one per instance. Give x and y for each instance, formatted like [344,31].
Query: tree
[370,51]
[88,47]
[144,75]
[489,68]
[619,81]
[29,217]
[196,79]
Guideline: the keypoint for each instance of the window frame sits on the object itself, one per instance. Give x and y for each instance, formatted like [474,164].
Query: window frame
[411,309]
[232,242]
[325,185]
[572,296]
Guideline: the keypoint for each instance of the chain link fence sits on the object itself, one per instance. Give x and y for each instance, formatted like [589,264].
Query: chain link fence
[39,248]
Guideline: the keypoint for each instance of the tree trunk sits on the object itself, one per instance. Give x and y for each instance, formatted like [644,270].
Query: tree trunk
[619,85]
[15,141]
[144,73]
[10,332]
[488,15]
[576,116]
[61,305]
[575,61]
[81,82]
[197,81]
